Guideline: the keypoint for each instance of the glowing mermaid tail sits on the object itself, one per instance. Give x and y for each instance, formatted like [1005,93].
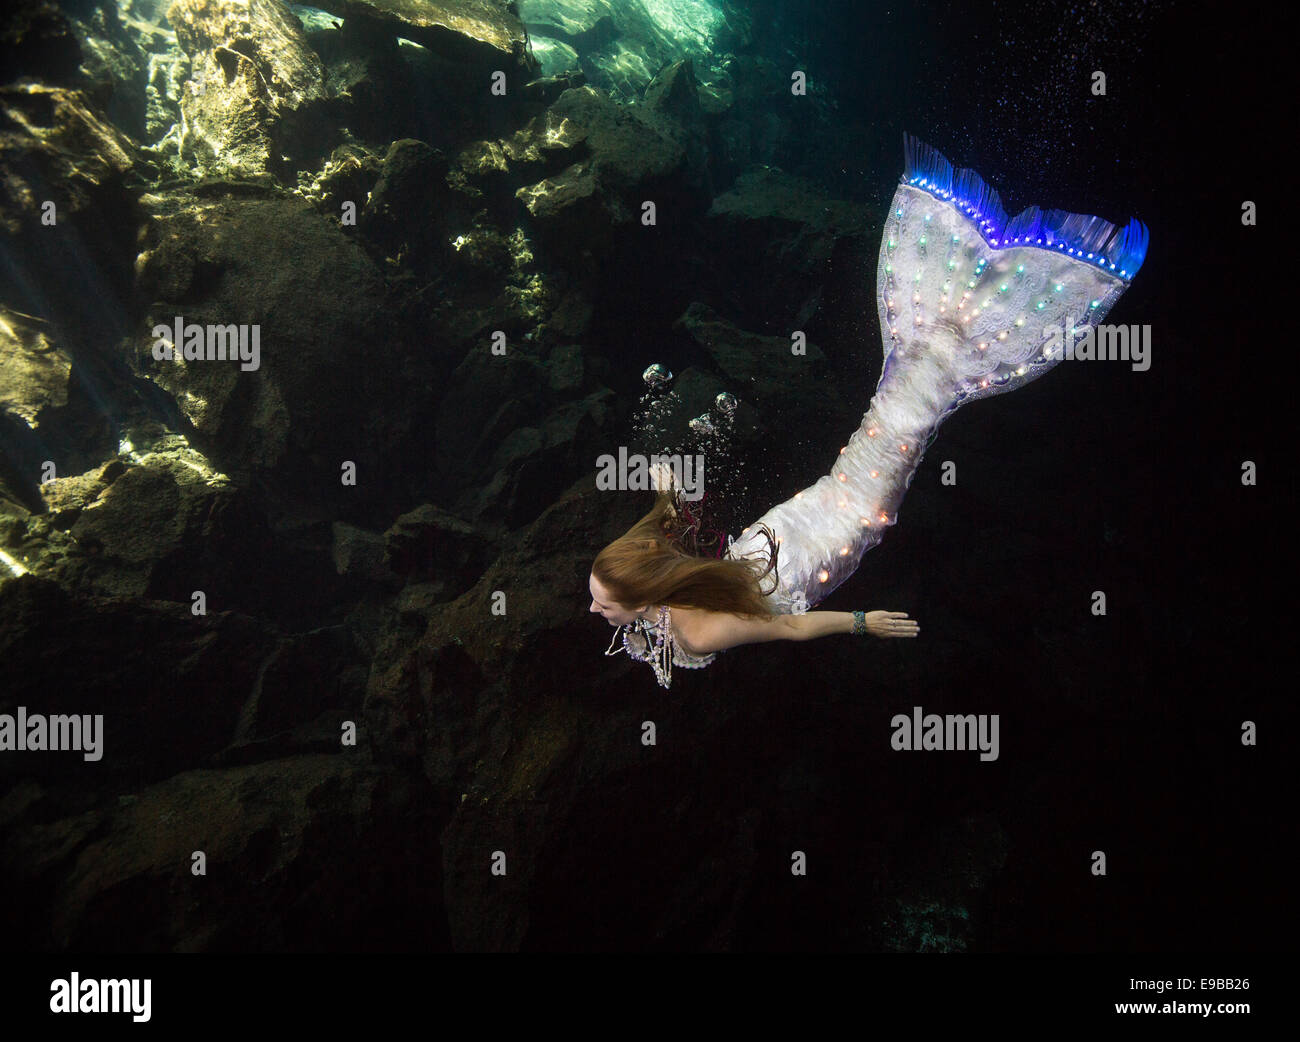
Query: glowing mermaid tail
[969,301]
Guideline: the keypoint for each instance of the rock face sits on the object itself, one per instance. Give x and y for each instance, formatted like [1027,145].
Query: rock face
[38,40]
[621,46]
[624,162]
[331,599]
[54,147]
[252,839]
[36,371]
[789,243]
[476,30]
[249,264]
[254,81]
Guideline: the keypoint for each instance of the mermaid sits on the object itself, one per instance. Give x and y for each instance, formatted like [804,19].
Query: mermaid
[972,304]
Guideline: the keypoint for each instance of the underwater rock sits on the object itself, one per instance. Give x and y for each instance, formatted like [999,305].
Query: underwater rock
[281,842]
[628,161]
[324,358]
[781,240]
[532,465]
[167,72]
[307,688]
[566,369]
[487,174]
[486,398]
[38,40]
[429,543]
[35,370]
[158,521]
[761,365]
[412,180]
[540,569]
[384,88]
[491,170]
[483,32]
[347,176]
[500,417]
[134,531]
[55,147]
[359,553]
[14,510]
[255,88]
[556,58]
[546,89]
[622,45]
[565,19]
[51,422]
[49,425]
[754,119]
[115,67]
[378,86]
[86,45]
[672,106]
[571,318]
[423,707]
[168,683]
[437,697]
[65,498]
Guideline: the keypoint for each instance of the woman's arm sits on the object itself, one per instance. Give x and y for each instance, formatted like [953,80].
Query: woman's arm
[708,631]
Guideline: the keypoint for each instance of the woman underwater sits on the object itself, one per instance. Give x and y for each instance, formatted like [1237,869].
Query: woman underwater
[971,304]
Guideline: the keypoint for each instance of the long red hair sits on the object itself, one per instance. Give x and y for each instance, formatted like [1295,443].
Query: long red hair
[651,564]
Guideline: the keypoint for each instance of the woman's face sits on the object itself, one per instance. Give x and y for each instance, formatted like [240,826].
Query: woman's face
[602,603]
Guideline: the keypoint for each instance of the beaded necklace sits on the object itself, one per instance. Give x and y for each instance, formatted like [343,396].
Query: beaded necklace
[659,653]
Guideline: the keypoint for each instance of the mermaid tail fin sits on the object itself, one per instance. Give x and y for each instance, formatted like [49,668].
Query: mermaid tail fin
[960,279]
[971,304]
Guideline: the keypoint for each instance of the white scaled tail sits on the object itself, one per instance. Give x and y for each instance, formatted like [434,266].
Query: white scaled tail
[972,304]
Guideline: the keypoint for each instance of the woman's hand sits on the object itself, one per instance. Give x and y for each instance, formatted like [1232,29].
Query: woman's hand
[891,624]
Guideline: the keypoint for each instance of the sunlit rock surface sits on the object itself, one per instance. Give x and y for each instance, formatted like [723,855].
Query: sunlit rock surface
[257,259]
[251,72]
[623,44]
[463,29]
[36,371]
[54,146]
[627,160]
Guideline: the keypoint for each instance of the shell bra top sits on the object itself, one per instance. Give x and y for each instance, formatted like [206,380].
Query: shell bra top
[653,642]
[972,303]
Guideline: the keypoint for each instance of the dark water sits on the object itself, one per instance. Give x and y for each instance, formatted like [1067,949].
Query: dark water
[347,723]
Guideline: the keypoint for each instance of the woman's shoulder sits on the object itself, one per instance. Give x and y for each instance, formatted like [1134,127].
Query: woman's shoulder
[687,622]
[704,632]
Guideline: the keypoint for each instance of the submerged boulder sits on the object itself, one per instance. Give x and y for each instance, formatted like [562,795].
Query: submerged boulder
[255,88]
[235,860]
[466,30]
[55,147]
[622,46]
